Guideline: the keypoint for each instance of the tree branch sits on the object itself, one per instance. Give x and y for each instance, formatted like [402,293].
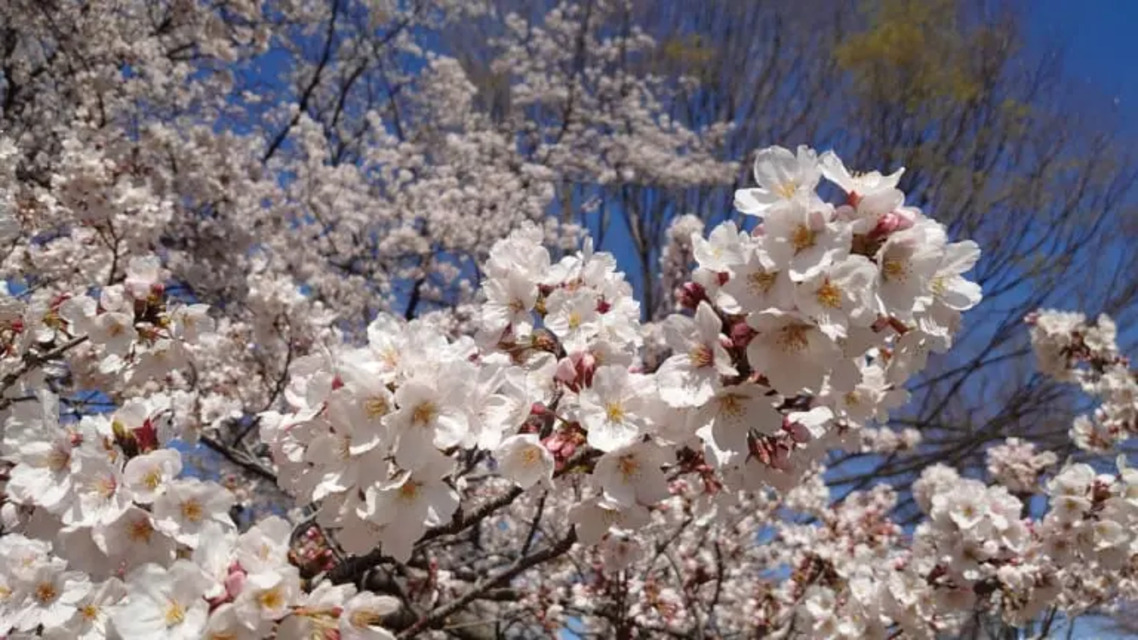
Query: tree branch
[440,614]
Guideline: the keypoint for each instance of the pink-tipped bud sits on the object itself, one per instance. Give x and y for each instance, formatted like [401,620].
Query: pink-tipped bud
[568,449]
[798,432]
[741,334]
[691,294]
[235,584]
[566,372]
[781,458]
[891,223]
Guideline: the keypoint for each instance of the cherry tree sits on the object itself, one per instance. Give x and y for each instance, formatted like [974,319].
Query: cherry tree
[442,411]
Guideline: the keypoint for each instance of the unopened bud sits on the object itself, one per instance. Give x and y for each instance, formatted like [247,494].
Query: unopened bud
[741,334]
[691,294]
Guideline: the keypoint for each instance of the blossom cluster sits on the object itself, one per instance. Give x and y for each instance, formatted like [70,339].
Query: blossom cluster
[1070,349]
[799,333]
[225,586]
[978,550]
[104,536]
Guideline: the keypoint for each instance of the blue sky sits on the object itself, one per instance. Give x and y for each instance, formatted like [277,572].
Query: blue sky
[1098,38]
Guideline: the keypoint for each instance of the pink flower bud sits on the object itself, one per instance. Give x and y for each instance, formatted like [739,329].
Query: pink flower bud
[235,584]
[741,334]
[691,294]
[781,458]
[798,432]
[554,443]
[566,372]
[568,449]
[890,223]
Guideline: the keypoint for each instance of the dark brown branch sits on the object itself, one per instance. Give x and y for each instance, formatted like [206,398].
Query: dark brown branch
[440,614]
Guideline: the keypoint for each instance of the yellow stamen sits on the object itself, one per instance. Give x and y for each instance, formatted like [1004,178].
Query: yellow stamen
[793,337]
[731,404]
[829,295]
[894,270]
[153,479]
[46,593]
[531,456]
[192,510]
[271,599]
[106,486]
[615,412]
[59,458]
[803,238]
[376,407]
[362,618]
[786,189]
[175,614]
[701,356]
[140,530]
[629,466]
[424,414]
[409,490]
[761,281]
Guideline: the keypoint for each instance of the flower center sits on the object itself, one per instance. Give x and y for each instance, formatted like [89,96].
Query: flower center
[59,459]
[362,618]
[271,599]
[424,414]
[793,337]
[175,614]
[192,510]
[629,466]
[140,530]
[731,405]
[829,295]
[531,456]
[152,479]
[409,490]
[701,356]
[803,238]
[46,592]
[894,269]
[615,412]
[106,487]
[376,407]
[761,281]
